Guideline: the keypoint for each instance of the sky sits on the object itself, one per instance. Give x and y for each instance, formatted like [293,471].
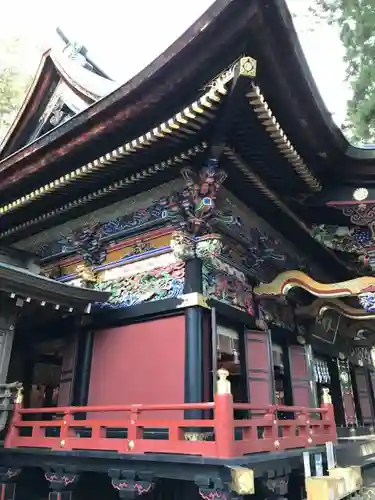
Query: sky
[123,36]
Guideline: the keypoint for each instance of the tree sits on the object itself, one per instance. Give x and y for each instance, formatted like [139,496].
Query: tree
[15,77]
[355,20]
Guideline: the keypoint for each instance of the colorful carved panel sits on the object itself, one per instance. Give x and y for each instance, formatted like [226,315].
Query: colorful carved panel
[252,243]
[137,221]
[229,286]
[248,241]
[126,251]
[357,241]
[146,285]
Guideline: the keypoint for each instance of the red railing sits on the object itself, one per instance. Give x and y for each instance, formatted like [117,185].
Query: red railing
[221,435]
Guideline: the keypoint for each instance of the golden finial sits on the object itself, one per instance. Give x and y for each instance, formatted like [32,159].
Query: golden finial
[248,67]
[326,397]
[19,396]
[223,384]
[86,274]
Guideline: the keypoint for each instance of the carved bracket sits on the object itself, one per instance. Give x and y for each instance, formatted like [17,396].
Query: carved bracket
[214,488]
[9,474]
[194,208]
[8,478]
[131,484]
[61,482]
[89,244]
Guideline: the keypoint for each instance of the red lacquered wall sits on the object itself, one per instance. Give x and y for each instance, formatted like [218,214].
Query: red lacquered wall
[140,363]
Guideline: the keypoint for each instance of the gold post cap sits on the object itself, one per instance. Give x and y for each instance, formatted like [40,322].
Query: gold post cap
[223,384]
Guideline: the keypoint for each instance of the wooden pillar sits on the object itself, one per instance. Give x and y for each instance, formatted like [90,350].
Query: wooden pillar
[371,375]
[302,376]
[8,478]
[27,376]
[194,341]
[82,368]
[69,356]
[7,329]
[259,367]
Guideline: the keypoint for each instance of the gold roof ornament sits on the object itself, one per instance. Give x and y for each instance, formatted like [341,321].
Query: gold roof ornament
[248,67]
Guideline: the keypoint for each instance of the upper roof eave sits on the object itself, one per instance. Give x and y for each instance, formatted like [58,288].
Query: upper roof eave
[165,71]
[292,61]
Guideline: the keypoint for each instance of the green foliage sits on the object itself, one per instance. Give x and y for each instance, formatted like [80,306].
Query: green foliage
[355,20]
[15,78]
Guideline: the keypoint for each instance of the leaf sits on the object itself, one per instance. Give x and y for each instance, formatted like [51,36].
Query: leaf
[355,20]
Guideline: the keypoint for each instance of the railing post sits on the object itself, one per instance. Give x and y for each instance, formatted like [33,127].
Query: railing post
[224,417]
[134,433]
[329,415]
[65,430]
[12,433]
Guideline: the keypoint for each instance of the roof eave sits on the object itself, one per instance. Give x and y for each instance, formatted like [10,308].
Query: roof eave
[157,80]
[18,281]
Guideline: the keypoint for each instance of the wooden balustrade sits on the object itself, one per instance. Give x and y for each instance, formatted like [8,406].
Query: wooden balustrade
[219,434]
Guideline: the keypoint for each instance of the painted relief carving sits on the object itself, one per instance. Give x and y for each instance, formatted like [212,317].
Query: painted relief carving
[357,241]
[209,247]
[279,313]
[228,288]
[246,243]
[367,300]
[199,196]
[186,247]
[129,222]
[89,244]
[183,245]
[139,248]
[251,245]
[149,285]
[193,211]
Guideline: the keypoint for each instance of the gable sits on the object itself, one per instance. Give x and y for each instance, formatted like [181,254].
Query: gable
[65,84]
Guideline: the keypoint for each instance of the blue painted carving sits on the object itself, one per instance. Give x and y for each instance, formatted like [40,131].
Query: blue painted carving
[227,289]
[127,223]
[246,243]
[147,286]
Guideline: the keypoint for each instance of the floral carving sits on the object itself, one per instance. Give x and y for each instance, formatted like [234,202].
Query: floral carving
[359,241]
[209,247]
[183,246]
[156,284]
[362,214]
[228,289]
